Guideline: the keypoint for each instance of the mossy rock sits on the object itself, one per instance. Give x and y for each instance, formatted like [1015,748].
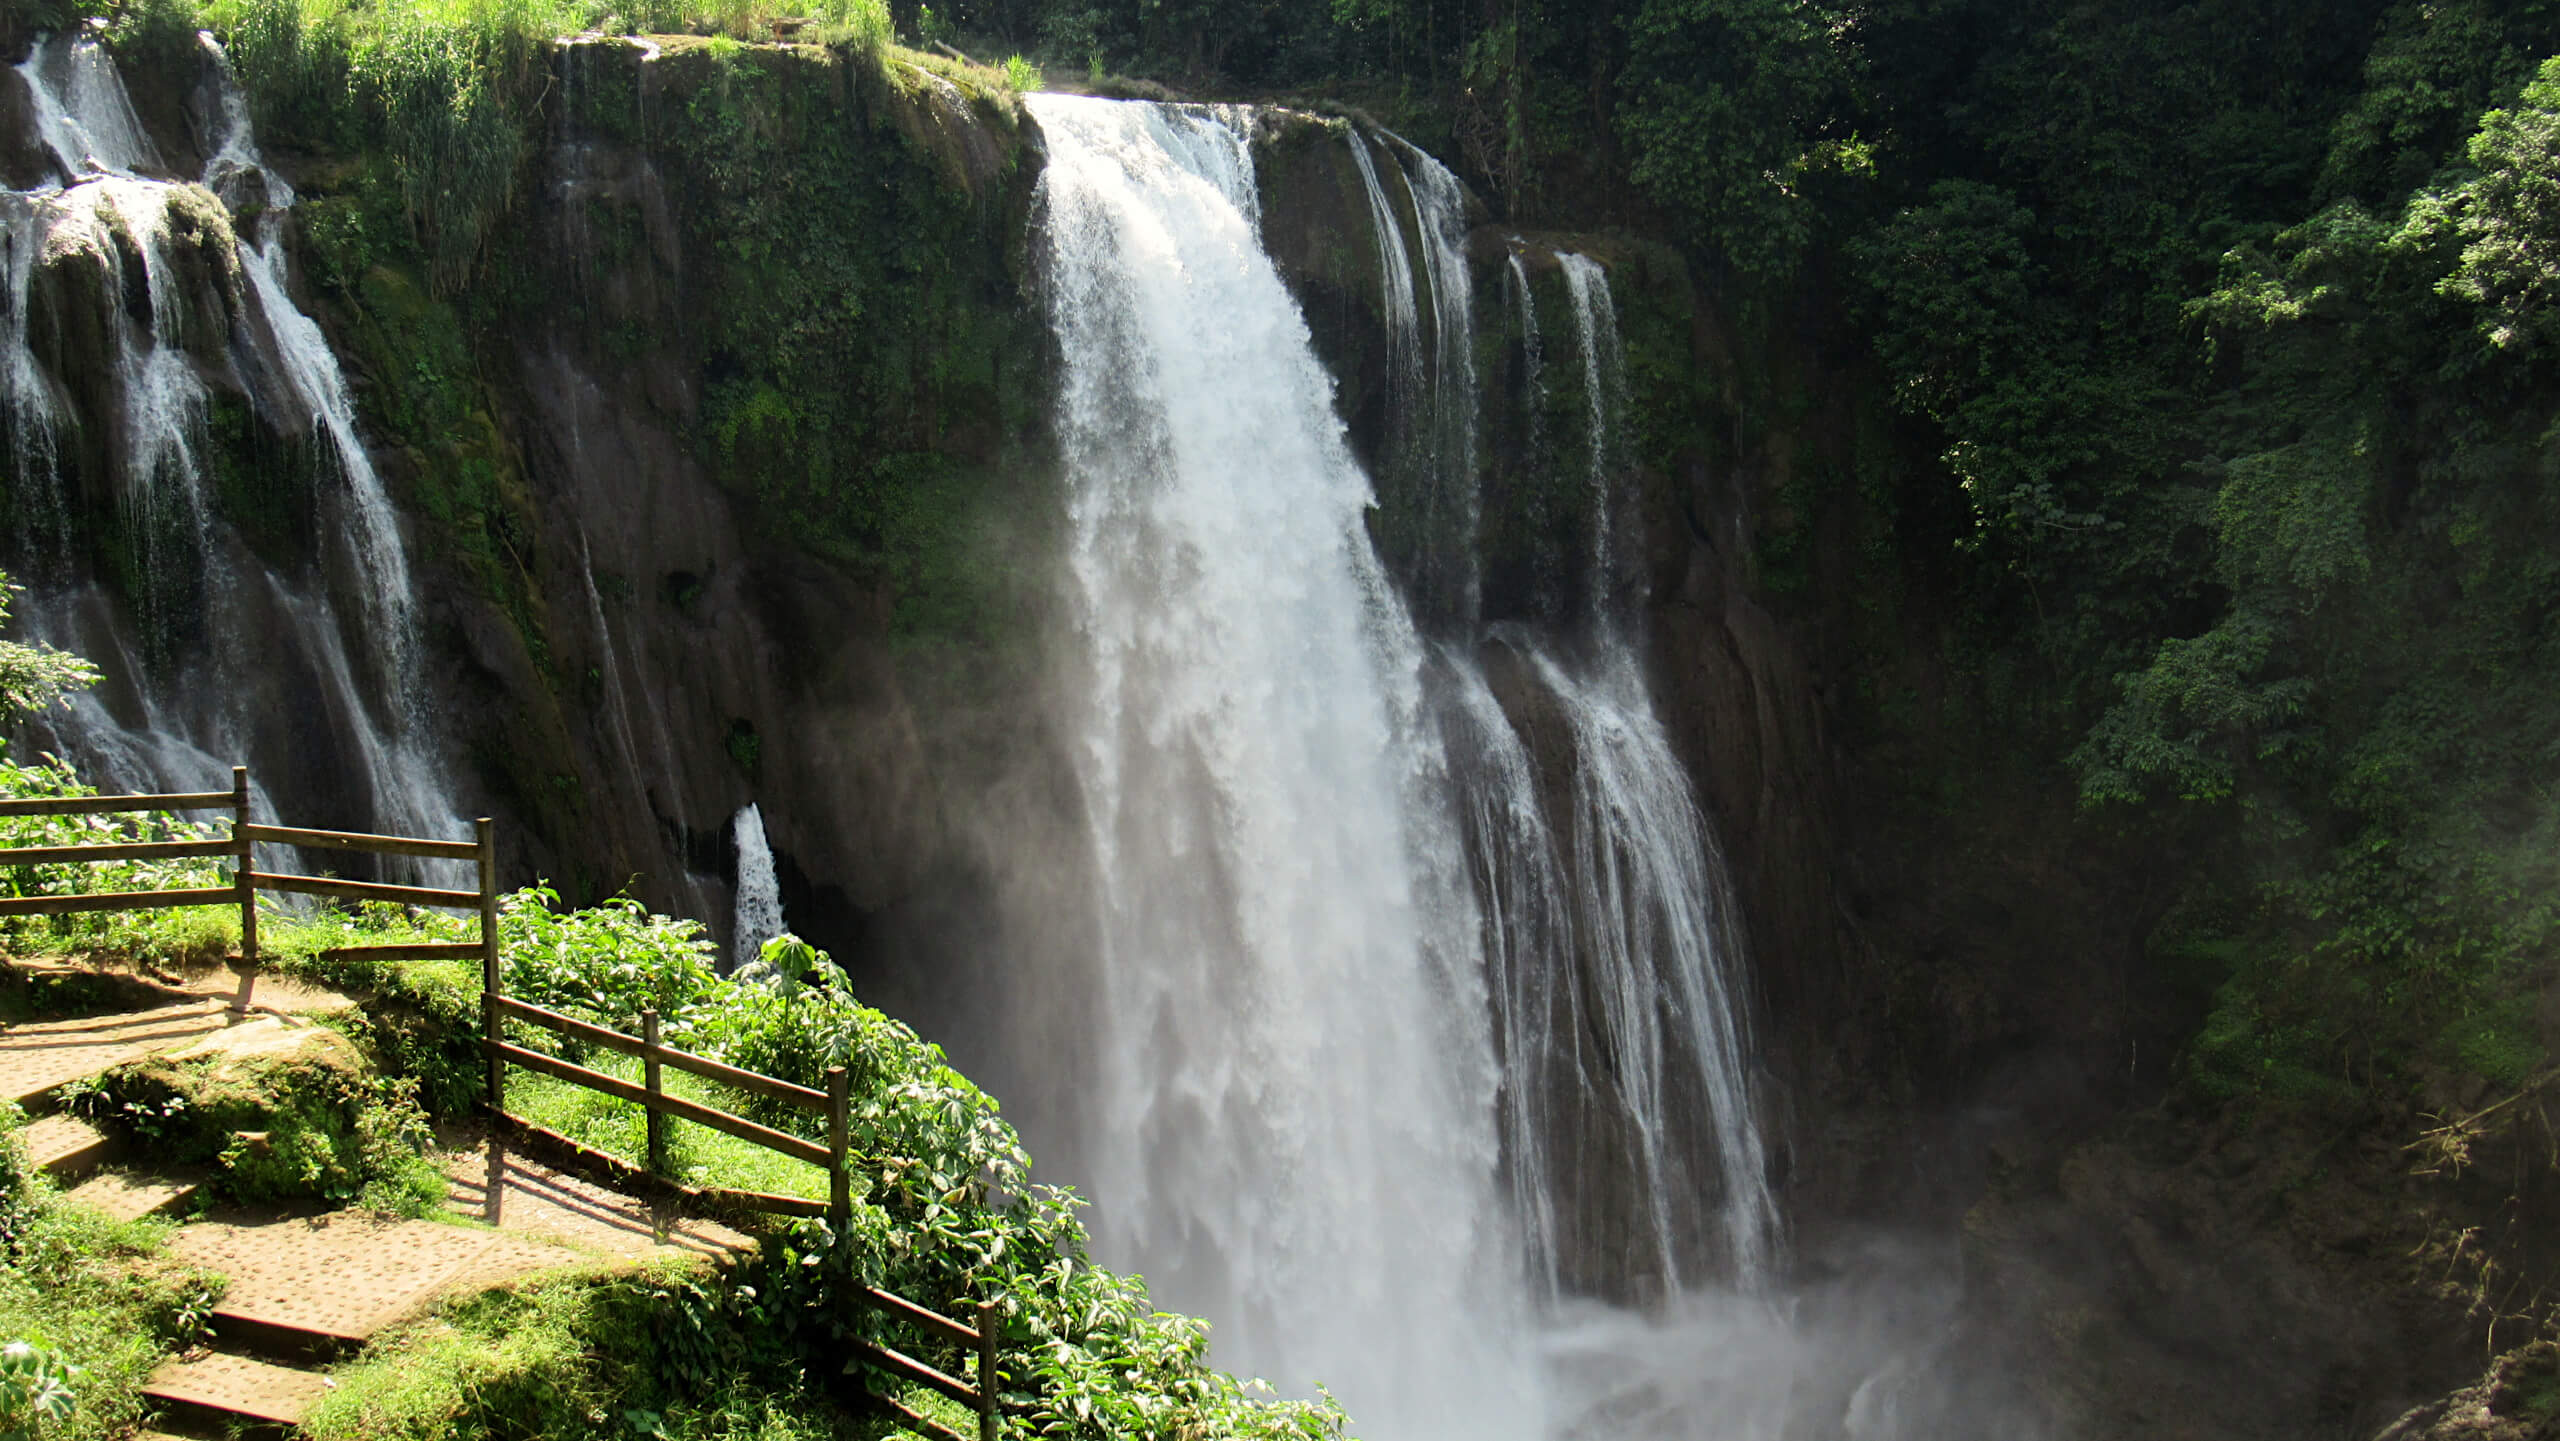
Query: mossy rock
[283,1112]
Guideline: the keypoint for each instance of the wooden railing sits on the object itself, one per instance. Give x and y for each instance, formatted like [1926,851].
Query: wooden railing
[977,1341]
[651,1092]
[240,893]
[497,1007]
[246,879]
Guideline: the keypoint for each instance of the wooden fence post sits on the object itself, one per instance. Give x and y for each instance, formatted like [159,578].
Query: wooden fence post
[247,884]
[657,1119]
[839,1128]
[490,1015]
[990,1402]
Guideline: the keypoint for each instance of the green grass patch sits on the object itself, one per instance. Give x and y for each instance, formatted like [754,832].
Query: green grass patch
[696,1154]
[649,1353]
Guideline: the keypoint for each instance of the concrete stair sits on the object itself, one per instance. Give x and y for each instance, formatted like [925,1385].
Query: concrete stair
[66,1147]
[236,1394]
[131,1195]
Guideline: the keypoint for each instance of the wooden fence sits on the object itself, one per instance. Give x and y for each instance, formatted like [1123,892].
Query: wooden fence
[651,1093]
[497,1008]
[978,1341]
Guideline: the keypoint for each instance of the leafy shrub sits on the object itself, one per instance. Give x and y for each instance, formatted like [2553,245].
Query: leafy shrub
[193,936]
[35,676]
[35,1388]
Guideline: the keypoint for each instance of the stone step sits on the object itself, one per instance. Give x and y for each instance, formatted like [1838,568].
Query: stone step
[39,1058]
[287,1341]
[340,1278]
[129,1195]
[231,1390]
[66,1147]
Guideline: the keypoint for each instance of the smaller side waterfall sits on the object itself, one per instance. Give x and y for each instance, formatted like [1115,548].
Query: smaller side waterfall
[1427,486]
[759,914]
[216,312]
[1403,315]
[1604,372]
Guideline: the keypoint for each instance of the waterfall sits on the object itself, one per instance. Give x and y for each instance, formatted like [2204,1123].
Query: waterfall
[1440,204]
[82,111]
[1604,381]
[175,716]
[1520,882]
[1427,480]
[1402,313]
[1412,1029]
[759,914]
[1294,1129]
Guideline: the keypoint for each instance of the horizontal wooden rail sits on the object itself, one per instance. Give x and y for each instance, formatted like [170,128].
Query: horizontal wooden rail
[916,1421]
[366,891]
[131,851]
[359,841]
[106,805]
[407,951]
[117,901]
[754,1082]
[571,1026]
[931,1320]
[765,1201]
[676,1106]
[900,1363]
[985,1398]
[622,1174]
[770,1087]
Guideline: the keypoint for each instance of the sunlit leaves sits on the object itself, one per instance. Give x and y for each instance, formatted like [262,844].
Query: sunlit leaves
[2509,217]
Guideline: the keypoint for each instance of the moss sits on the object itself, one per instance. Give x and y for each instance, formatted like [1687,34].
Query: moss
[875,371]
[284,1114]
[746,748]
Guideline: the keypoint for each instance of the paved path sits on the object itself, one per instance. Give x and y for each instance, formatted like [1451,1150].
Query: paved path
[343,1276]
[40,1057]
[306,1289]
[537,1201]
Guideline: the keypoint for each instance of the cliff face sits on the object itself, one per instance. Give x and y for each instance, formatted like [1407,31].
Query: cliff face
[716,463]
[726,480]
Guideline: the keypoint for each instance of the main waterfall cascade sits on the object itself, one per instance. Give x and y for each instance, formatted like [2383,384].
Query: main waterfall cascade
[175,715]
[1393,1045]
[1293,1132]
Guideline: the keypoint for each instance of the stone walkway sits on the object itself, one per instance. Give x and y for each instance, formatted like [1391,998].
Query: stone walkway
[41,1057]
[308,1289]
[535,1200]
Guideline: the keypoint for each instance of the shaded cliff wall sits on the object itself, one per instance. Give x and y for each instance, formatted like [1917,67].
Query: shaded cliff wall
[718,475]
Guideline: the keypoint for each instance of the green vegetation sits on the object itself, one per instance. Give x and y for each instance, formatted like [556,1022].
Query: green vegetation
[946,1209]
[88,1307]
[280,1113]
[603,1355]
[35,676]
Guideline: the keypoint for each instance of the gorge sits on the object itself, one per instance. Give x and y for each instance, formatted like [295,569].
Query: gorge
[1290,678]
